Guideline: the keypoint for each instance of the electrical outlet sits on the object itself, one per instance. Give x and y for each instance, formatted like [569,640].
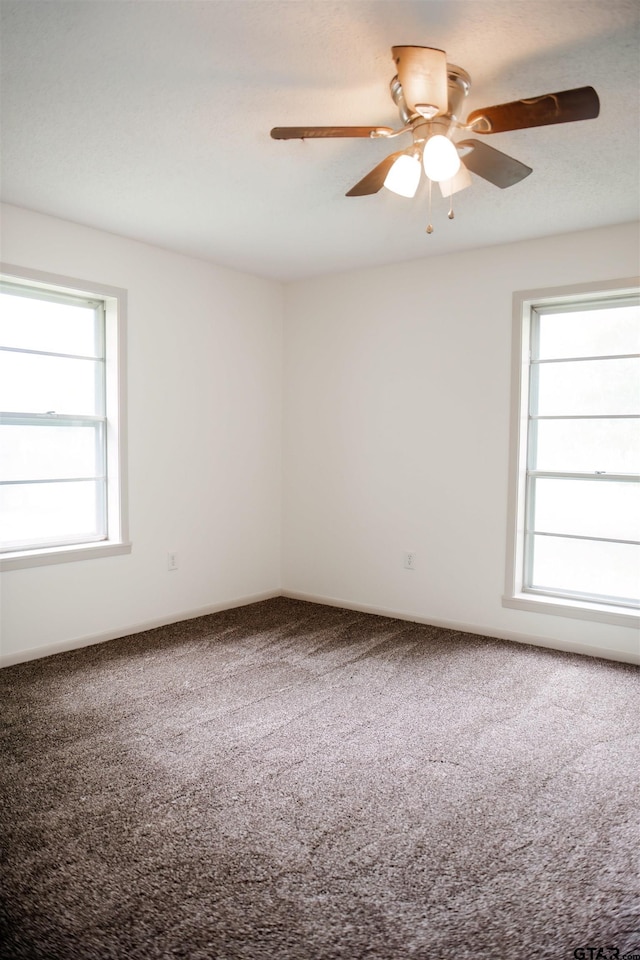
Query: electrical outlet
[409,560]
[172,561]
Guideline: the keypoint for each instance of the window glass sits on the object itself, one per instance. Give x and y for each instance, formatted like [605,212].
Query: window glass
[588,508]
[589,387]
[594,568]
[41,513]
[590,333]
[58,451]
[31,383]
[585,446]
[30,323]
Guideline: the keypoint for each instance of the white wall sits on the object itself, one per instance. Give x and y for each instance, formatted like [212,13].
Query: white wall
[204,425]
[397,399]
[396,410]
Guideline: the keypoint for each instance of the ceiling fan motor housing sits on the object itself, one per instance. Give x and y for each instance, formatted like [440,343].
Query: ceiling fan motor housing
[459,84]
[422,72]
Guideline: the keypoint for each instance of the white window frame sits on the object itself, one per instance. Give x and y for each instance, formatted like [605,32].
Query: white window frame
[516,595]
[113,301]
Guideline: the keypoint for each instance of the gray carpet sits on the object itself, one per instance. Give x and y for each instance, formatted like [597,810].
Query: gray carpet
[288,781]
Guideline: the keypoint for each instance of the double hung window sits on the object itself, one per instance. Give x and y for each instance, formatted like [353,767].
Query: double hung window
[575,506]
[61,423]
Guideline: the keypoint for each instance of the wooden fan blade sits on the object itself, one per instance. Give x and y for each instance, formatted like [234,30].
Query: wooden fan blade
[562,107]
[374,180]
[493,165]
[308,133]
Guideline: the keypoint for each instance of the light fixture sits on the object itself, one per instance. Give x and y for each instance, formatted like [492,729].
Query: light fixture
[460,181]
[440,158]
[404,176]
[429,94]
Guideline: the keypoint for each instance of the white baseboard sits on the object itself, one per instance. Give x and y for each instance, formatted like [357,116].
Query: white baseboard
[63,646]
[565,646]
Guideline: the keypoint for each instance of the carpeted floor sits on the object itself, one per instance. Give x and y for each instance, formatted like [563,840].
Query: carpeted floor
[288,781]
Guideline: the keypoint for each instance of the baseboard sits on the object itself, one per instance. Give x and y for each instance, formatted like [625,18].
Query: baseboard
[63,646]
[565,646]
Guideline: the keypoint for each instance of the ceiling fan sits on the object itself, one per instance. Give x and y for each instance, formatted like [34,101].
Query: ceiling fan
[429,93]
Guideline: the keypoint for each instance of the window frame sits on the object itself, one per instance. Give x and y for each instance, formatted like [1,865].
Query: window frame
[113,301]
[516,594]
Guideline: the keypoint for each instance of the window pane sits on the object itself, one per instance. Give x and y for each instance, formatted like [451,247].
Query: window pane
[30,383]
[604,570]
[47,512]
[589,387]
[43,325]
[590,333]
[50,452]
[588,508]
[584,446]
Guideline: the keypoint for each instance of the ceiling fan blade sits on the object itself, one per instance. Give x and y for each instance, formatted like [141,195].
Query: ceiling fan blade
[308,133]
[492,165]
[562,107]
[374,180]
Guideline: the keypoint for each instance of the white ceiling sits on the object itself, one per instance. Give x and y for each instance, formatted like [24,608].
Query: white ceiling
[152,120]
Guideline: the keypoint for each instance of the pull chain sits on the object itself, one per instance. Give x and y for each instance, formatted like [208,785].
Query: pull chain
[430,225]
[451,213]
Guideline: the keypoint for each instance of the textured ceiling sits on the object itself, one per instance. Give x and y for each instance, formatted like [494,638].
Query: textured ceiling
[152,120]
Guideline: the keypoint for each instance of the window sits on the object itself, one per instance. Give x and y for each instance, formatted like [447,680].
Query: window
[575,494]
[62,451]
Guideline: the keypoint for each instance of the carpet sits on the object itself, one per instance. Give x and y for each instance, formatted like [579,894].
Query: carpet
[289,781]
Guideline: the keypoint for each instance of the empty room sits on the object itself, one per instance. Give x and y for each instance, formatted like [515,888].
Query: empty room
[319,479]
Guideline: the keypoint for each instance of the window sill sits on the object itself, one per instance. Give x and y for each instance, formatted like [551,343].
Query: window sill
[69,554]
[561,607]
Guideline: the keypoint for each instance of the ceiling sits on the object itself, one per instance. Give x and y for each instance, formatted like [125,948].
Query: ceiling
[151,120]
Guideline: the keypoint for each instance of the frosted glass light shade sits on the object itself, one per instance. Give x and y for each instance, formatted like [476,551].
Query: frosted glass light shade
[440,158]
[404,176]
[461,181]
